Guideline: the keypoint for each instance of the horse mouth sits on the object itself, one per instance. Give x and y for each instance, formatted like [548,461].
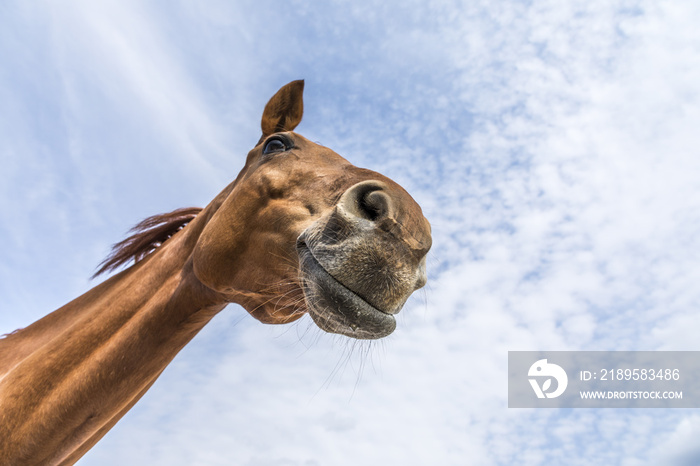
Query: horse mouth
[334,307]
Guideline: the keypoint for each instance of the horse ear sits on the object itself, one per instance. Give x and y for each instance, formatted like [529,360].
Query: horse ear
[284,110]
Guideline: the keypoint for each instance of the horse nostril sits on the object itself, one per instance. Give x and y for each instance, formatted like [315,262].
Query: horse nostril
[368,200]
[374,205]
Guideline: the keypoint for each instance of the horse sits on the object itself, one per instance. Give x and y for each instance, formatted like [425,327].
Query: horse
[300,230]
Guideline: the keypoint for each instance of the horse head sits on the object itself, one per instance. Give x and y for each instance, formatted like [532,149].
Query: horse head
[303,230]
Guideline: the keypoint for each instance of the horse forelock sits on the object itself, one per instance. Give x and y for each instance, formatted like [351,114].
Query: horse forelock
[148,235]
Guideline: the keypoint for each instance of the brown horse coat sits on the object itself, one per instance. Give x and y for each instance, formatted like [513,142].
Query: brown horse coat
[299,230]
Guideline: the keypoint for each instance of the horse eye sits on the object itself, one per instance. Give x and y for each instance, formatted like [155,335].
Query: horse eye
[274,145]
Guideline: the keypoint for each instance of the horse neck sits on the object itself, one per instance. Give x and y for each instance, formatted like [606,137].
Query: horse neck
[146,287]
[107,346]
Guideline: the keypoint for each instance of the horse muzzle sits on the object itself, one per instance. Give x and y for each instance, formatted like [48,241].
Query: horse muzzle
[359,263]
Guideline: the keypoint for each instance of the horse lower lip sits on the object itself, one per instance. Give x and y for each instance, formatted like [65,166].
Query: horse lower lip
[339,309]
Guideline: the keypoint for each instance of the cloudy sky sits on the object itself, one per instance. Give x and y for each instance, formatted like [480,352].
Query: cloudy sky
[552,145]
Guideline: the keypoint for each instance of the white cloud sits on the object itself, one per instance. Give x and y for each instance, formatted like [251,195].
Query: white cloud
[678,447]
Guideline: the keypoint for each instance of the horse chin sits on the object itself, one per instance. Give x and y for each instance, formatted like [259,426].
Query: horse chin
[335,308]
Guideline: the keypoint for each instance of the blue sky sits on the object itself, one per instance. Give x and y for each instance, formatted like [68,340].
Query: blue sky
[552,145]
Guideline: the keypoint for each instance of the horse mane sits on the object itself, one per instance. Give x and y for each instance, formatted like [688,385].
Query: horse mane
[147,235]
